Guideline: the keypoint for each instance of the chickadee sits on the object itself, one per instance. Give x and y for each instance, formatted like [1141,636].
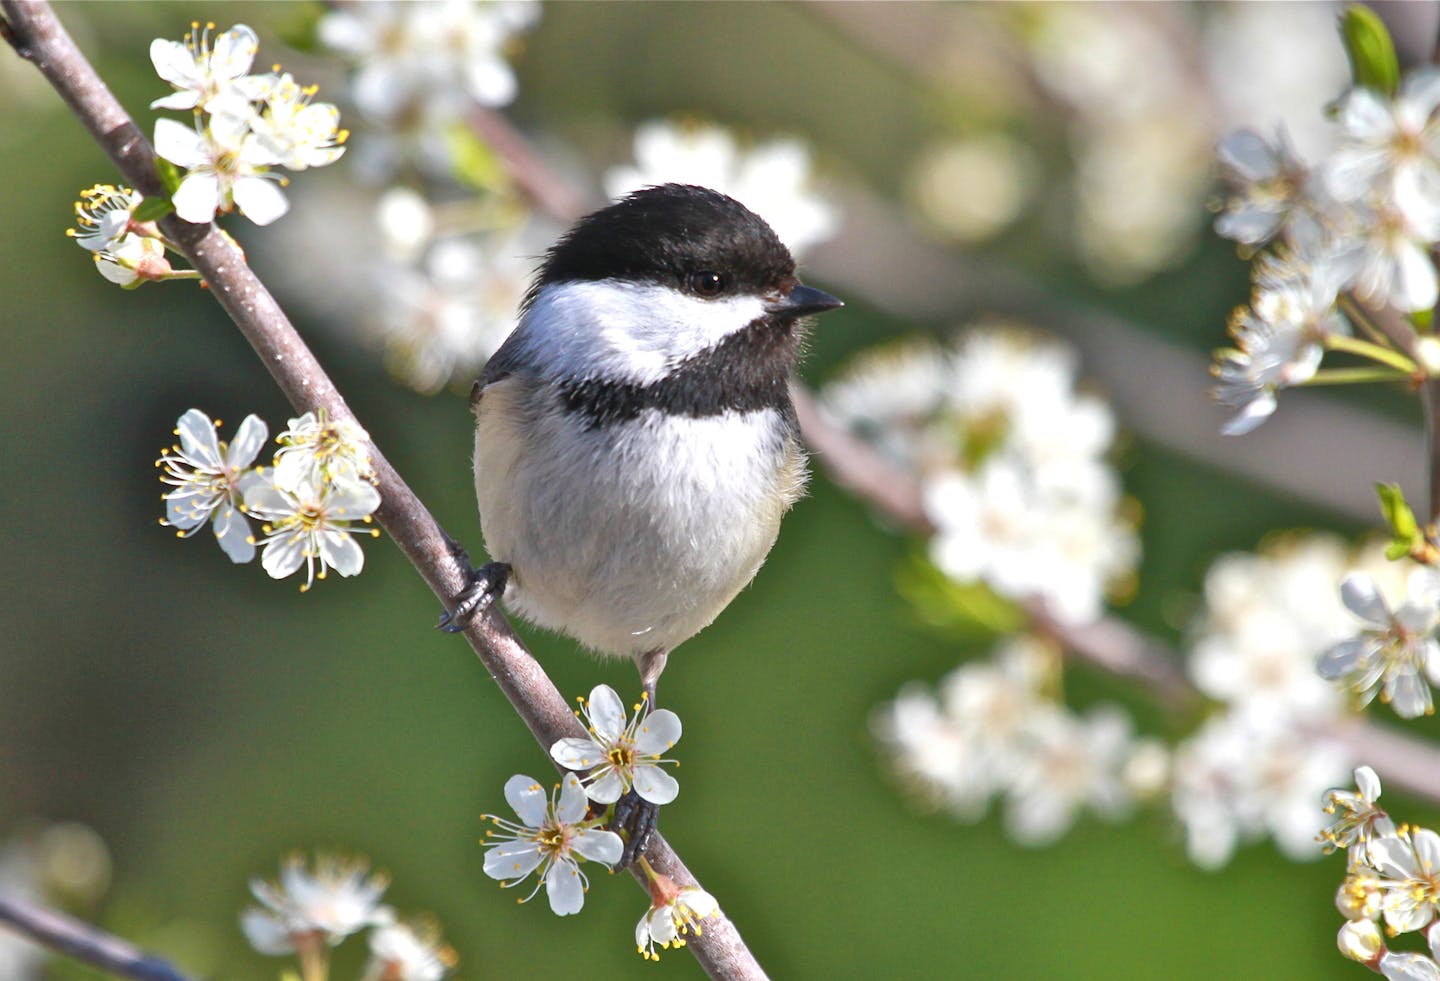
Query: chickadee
[635,442]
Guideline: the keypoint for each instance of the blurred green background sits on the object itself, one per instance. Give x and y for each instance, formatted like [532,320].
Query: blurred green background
[205,719]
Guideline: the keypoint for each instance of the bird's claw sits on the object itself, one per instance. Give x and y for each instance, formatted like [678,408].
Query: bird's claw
[634,818]
[483,586]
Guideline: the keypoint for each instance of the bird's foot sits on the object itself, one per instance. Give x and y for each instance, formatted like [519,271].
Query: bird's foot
[633,820]
[483,586]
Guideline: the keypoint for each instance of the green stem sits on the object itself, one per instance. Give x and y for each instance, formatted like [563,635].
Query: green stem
[1356,376]
[1375,352]
[1361,318]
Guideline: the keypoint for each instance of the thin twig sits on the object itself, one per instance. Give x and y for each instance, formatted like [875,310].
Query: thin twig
[74,938]
[720,949]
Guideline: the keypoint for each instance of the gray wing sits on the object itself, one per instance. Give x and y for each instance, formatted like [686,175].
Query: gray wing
[503,363]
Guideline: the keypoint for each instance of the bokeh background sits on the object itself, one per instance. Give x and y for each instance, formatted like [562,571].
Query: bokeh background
[205,720]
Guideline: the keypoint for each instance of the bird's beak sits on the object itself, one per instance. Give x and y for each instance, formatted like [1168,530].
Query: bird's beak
[802,301]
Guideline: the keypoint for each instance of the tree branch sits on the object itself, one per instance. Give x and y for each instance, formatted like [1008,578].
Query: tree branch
[66,935]
[37,34]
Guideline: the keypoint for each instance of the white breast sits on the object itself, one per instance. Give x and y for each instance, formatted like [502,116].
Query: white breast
[630,537]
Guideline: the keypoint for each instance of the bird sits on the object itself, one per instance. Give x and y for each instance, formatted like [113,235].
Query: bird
[635,444]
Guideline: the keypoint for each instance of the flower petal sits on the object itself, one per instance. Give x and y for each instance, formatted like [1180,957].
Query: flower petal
[659,732]
[232,531]
[565,887]
[573,802]
[341,552]
[607,789]
[198,197]
[260,200]
[528,799]
[607,713]
[574,753]
[596,845]
[512,860]
[198,440]
[180,144]
[247,442]
[655,785]
[1362,597]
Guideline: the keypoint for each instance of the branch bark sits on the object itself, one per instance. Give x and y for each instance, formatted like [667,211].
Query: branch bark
[37,35]
[69,936]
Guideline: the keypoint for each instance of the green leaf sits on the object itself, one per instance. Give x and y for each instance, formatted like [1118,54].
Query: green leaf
[970,609]
[169,174]
[1398,514]
[1370,50]
[153,209]
[473,162]
[1424,320]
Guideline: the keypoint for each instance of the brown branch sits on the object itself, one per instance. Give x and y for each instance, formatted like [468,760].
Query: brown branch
[74,938]
[37,33]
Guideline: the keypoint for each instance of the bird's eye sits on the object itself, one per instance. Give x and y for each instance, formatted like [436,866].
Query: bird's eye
[707,284]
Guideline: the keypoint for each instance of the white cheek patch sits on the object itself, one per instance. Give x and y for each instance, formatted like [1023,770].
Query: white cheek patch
[631,332]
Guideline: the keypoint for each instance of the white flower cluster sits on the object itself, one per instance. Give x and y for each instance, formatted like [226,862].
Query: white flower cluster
[1012,460]
[1360,223]
[306,912]
[244,126]
[451,294]
[1138,125]
[126,252]
[310,503]
[1392,875]
[442,291]
[773,178]
[555,834]
[992,732]
[419,67]
[1273,638]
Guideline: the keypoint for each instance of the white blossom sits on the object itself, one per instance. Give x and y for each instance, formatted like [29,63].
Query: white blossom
[228,168]
[338,898]
[203,70]
[1242,777]
[312,524]
[1361,821]
[296,131]
[667,924]
[622,752]
[1409,867]
[551,839]
[1396,655]
[408,951]
[210,478]
[315,448]
[1011,459]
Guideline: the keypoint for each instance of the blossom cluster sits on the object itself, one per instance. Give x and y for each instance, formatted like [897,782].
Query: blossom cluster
[1348,240]
[1012,460]
[559,831]
[992,732]
[244,126]
[317,495]
[1276,644]
[458,238]
[306,912]
[419,68]
[1392,876]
